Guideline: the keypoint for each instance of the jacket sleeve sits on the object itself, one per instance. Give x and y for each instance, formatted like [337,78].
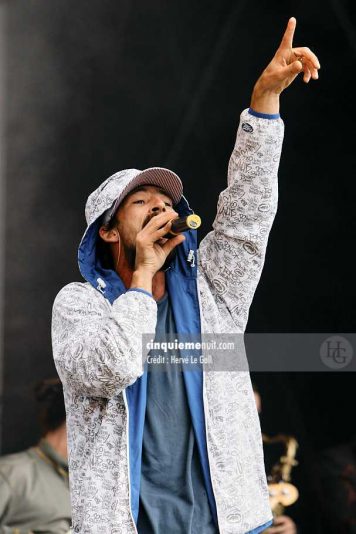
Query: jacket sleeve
[97,347]
[231,256]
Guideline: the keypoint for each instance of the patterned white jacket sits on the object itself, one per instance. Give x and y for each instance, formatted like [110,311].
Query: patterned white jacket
[97,347]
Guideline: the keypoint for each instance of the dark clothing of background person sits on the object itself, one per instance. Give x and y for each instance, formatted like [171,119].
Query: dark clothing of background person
[337,489]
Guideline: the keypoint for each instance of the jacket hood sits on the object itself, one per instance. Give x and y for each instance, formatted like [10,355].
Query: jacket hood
[102,199]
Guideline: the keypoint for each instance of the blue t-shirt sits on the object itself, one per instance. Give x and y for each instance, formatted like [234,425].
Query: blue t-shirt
[173,498]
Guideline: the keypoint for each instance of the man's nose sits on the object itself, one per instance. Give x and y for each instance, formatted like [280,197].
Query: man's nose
[158,206]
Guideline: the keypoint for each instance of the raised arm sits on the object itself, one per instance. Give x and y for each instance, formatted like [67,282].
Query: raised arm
[231,257]
[97,347]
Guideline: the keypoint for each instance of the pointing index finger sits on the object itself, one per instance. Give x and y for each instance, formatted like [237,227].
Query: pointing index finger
[287,41]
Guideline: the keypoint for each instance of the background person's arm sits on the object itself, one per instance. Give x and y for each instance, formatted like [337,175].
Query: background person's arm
[5,499]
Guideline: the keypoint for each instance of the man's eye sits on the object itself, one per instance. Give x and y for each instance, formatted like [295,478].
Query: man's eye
[138,201]
[168,204]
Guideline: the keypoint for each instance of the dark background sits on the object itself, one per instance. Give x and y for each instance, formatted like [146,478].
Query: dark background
[98,86]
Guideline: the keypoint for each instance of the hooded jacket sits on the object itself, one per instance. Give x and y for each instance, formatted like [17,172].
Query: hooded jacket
[97,333]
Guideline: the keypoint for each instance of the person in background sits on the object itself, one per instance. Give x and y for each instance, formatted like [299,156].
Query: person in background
[336,470]
[282,524]
[34,488]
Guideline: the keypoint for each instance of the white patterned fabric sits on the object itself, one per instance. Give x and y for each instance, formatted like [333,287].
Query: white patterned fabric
[97,351]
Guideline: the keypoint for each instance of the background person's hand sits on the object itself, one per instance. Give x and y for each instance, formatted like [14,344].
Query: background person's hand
[282,525]
[285,66]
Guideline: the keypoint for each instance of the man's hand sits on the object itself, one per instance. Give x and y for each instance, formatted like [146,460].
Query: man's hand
[287,63]
[282,525]
[152,248]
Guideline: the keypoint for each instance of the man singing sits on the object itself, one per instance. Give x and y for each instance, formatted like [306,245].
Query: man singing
[171,452]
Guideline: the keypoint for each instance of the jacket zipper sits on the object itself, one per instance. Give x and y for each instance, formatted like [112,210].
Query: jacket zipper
[128,456]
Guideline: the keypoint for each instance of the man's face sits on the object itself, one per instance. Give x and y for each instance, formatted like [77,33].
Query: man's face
[136,210]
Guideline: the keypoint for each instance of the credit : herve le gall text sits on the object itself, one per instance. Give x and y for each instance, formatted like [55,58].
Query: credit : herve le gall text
[177,360]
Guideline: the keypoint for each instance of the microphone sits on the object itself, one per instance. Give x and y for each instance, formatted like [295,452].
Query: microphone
[182,224]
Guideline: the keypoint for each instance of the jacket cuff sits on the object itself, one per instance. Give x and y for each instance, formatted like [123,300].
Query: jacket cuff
[139,290]
[269,116]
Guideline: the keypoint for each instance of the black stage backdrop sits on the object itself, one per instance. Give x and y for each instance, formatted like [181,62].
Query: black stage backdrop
[98,86]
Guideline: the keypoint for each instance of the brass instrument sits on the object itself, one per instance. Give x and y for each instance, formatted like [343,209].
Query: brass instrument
[281,492]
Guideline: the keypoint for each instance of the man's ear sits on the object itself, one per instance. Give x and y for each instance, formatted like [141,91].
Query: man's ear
[109,236]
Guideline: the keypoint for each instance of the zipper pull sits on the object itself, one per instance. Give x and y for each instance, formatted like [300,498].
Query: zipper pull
[191,258]
[101,285]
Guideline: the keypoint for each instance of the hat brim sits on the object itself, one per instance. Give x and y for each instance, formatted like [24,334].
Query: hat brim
[160,177]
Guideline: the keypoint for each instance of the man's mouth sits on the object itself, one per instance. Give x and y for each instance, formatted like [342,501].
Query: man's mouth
[147,220]
[162,240]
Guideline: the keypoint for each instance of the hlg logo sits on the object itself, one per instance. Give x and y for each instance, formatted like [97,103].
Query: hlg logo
[336,352]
